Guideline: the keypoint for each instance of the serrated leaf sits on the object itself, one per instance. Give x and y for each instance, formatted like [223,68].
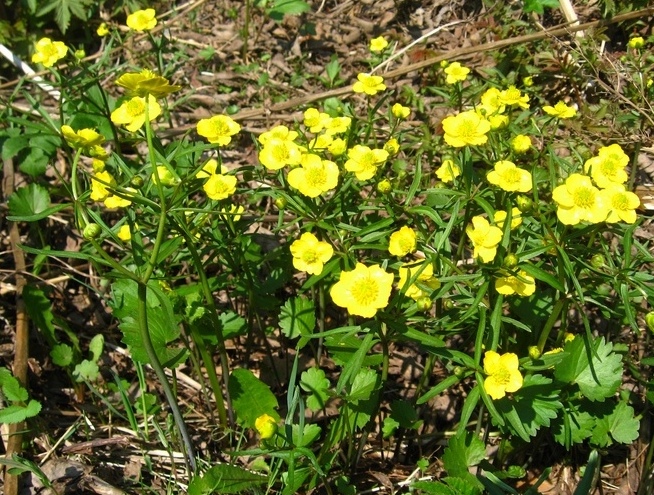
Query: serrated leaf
[233,324]
[15,413]
[251,397]
[534,405]
[86,371]
[62,355]
[620,425]
[11,388]
[225,478]
[574,425]
[462,452]
[389,426]
[309,434]
[96,346]
[297,317]
[29,201]
[364,384]
[39,310]
[315,382]
[597,382]
[14,145]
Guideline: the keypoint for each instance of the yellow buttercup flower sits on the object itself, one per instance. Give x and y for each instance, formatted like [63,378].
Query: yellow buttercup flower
[509,177]
[456,73]
[560,110]
[637,42]
[82,139]
[266,426]
[522,284]
[131,113]
[448,171]
[400,112]
[315,120]
[503,374]
[218,129]
[528,81]
[466,128]
[209,169]
[234,211]
[402,242]
[219,186]
[124,233]
[310,254]
[516,218]
[113,202]
[314,176]
[321,142]
[578,201]
[364,161]
[337,147]
[277,153]
[485,238]
[337,125]
[49,52]
[142,20]
[146,83]
[498,121]
[103,29]
[280,132]
[392,146]
[521,143]
[513,97]
[621,204]
[368,84]
[165,176]
[378,44]
[491,103]
[425,279]
[608,167]
[363,291]
[99,183]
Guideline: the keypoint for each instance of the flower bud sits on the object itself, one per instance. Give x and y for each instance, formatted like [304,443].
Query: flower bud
[424,303]
[92,231]
[510,261]
[597,261]
[280,203]
[459,371]
[80,54]
[136,181]
[534,352]
[266,426]
[384,186]
[524,203]
[448,304]
[649,319]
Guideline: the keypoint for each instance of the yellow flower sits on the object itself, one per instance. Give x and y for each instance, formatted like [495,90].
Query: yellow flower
[378,44]
[448,171]
[49,52]
[280,132]
[402,242]
[278,153]
[516,218]
[310,254]
[621,203]
[266,426]
[368,84]
[314,176]
[315,120]
[608,167]
[637,42]
[124,233]
[509,177]
[503,375]
[578,200]
[337,125]
[98,152]
[498,121]
[146,83]
[98,165]
[456,73]
[209,169]
[102,30]
[528,81]
[337,147]
[131,113]
[321,142]
[234,211]
[166,177]
[490,102]
[424,279]
[220,186]
[142,20]
[99,183]
[392,146]
[218,129]
[113,202]
[466,128]
[522,284]
[82,139]
[399,111]
[521,143]
[560,110]
[512,96]
[485,238]
[363,291]
[364,161]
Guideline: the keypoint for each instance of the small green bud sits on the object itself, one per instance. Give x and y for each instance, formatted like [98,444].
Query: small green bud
[424,303]
[92,231]
[524,203]
[459,372]
[384,186]
[80,54]
[280,203]
[448,304]
[597,261]
[510,261]
[649,319]
[136,181]
[534,352]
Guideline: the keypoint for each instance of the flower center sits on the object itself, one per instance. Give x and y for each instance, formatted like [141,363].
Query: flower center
[584,197]
[136,107]
[365,291]
[220,128]
[620,202]
[309,256]
[316,177]
[467,128]
[503,376]
[280,152]
[609,168]
[512,176]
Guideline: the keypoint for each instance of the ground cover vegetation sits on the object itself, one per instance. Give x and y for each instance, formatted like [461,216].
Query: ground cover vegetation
[419,262]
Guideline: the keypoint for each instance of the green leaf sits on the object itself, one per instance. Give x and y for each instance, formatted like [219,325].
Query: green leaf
[96,347]
[389,426]
[225,478]
[29,201]
[620,425]
[364,384]
[532,406]
[251,397]
[11,388]
[280,8]
[14,145]
[309,434]
[40,312]
[86,371]
[62,355]
[596,382]
[233,324]
[317,385]
[15,413]
[405,414]
[297,317]
[462,452]
[576,423]
[538,6]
